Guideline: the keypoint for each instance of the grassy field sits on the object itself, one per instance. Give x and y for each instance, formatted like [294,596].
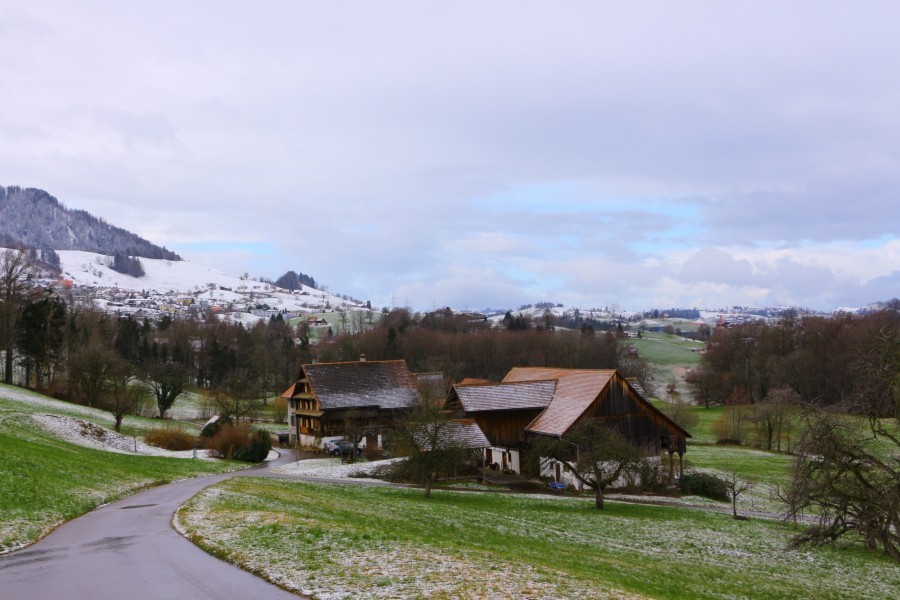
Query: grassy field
[338,541]
[663,349]
[337,324]
[45,481]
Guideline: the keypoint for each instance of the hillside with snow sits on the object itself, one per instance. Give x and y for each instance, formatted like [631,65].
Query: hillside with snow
[87,269]
[170,286]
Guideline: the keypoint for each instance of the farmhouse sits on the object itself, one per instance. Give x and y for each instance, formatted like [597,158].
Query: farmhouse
[349,399]
[533,402]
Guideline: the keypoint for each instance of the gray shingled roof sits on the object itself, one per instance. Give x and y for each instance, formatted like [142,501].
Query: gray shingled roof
[461,433]
[386,384]
[505,396]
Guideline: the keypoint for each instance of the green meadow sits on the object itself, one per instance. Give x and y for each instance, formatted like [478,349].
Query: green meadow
[45,481]
[345,541]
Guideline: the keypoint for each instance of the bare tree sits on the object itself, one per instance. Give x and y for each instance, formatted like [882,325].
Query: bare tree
[91,371]
[123,395]
[595,454]
[243,397]
[279,410]
[167,381]
[15,270]
[681,412]
[426,437]
[736,487]
[772,420]
[850,479]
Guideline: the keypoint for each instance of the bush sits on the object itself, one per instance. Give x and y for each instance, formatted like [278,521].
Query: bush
[650,476]
[279,410]
[238,442]
[258,449]
[728,428]
[704,484]
[171,438]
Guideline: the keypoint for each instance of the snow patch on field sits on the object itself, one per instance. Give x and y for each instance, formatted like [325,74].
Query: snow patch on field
[331,468]
[35,400]
[87,434]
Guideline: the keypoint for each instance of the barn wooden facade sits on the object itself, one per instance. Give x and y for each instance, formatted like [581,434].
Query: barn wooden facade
[334,400]
[551,402]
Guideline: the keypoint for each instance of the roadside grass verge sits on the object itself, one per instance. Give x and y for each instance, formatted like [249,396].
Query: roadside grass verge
[344,541]
[45,481]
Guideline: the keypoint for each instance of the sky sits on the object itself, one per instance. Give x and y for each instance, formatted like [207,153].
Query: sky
[478,154]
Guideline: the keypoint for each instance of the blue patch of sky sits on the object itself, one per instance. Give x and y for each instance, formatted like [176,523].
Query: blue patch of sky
[684,220]
[878,242]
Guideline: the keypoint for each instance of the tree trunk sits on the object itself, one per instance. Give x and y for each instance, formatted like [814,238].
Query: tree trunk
[598,498]
[428,481]
[119,423]
[7,373]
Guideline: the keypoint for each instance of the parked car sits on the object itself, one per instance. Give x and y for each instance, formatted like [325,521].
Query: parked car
[341,447]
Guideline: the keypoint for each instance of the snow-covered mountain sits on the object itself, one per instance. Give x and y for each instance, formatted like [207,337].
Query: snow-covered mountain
[176,286]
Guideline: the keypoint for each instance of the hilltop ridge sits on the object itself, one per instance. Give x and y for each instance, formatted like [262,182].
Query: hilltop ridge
[35,219]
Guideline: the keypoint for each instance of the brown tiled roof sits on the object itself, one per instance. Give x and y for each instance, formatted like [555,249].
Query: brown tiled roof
[289,393]
[460,433]
[576,389]
[505,396]
[386,384]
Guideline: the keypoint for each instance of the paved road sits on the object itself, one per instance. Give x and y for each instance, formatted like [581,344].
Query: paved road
[128,551]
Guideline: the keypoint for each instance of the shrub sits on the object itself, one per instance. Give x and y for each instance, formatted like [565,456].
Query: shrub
[704,484]
[279,410]
[728,428]
[238,442]
[258,448]
[171,438]
[650,475]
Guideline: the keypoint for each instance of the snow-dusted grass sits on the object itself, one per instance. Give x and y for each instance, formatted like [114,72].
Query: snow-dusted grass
[20,401]
[332,541]
[766,470]
[331,468]
[45,480]
[84,433]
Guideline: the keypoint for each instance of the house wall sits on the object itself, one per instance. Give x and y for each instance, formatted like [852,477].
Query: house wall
[512,462]
[619,409]
[505,428]
[558,471]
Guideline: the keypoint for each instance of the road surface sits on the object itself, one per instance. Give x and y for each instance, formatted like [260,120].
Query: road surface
[128,550]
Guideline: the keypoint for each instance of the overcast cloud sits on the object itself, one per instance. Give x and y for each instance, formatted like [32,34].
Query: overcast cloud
[648,154]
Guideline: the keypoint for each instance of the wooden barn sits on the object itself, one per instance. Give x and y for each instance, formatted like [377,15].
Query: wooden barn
[349,399]
[551,402]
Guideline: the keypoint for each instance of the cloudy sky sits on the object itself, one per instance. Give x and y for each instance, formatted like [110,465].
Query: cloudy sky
[474,154]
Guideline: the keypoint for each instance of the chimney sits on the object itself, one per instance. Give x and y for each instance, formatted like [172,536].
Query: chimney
[362,358]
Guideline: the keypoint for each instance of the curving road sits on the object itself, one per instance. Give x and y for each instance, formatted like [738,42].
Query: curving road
[129,550]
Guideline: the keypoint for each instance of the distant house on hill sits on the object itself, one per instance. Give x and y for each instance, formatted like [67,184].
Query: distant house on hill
[532,402]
